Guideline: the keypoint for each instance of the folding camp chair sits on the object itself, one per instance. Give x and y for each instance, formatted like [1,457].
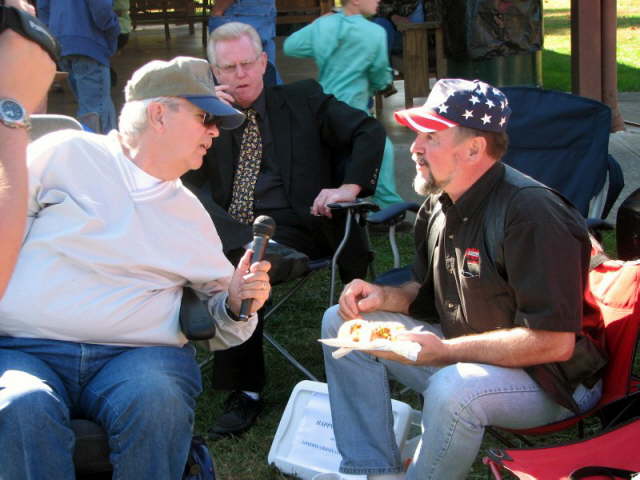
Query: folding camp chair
[614,289]
[595,457]
[355,213]
[42,124]
[562,140]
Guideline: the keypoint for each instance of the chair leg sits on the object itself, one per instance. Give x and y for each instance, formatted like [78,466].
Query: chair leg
[499,437]
[408,98]
[336,255]
[378,105]
[298,285]
[289,357]
[504,440]
[204,33]
[283,351]
[372,256]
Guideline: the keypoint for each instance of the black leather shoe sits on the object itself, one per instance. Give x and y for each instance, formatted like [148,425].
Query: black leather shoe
[240,413]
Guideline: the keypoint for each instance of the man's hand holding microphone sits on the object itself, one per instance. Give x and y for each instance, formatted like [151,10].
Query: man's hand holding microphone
[250,287]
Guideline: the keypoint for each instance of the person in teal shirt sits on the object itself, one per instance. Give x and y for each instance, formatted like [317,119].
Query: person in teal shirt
[351,54]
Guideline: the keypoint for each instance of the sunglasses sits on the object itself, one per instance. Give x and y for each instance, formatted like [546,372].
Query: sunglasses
[209,119]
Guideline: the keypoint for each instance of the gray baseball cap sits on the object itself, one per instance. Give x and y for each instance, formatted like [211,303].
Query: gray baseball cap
[186,77]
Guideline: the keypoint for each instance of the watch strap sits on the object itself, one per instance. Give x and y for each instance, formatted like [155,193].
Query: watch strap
[31,28]
[232,315]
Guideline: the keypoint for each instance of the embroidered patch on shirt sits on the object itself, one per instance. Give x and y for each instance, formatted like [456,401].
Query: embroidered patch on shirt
[471,263]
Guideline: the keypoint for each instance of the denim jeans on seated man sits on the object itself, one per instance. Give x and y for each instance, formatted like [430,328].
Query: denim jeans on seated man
[133,392]
[459,401]
[90,82]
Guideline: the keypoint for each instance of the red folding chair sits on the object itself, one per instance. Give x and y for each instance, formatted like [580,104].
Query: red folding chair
[613,290]
[612,450]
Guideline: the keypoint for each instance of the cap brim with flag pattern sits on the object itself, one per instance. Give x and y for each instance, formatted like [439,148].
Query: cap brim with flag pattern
[186,77]
[456,102]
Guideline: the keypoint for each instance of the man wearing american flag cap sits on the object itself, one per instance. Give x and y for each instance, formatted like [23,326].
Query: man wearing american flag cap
[497,341]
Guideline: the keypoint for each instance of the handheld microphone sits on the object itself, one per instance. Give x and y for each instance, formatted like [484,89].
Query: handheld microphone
[263,229]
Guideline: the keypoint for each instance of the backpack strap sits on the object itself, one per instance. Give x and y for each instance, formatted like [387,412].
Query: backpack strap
[496,213]
[436,221]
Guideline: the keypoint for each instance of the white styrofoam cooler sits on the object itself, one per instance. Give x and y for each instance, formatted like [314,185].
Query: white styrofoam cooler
[304,444]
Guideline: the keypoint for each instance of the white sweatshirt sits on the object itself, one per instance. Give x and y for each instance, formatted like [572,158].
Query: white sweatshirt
[108,249]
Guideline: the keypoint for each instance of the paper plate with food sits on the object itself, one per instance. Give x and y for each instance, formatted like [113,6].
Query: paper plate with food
[360,334]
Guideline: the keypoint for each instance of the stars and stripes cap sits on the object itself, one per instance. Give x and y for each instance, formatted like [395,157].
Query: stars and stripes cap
[453,102]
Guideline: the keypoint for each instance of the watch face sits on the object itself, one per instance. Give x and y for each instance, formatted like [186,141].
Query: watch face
[12,110]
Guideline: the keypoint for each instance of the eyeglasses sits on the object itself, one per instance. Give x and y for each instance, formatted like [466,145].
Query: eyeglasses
[244,65]
[209,120]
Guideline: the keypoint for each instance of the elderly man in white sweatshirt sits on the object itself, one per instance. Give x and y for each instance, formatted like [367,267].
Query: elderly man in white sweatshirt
[89,322]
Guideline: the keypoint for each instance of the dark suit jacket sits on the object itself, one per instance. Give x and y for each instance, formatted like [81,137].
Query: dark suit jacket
[318,142]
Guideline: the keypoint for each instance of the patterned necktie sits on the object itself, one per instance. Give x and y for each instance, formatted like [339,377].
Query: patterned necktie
[244,181]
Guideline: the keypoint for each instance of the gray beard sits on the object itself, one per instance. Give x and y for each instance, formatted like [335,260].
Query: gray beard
[426,187]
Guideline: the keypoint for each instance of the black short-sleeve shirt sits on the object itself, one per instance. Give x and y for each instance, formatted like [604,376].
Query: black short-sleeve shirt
[546,261]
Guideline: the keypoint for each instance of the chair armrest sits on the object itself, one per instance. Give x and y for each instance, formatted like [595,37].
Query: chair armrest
[195,320]
[393,213]
[357,206]
[599,224]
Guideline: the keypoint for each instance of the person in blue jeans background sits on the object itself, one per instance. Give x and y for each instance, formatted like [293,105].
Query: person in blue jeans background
[393,12]
[496,348]
[88,34]
[260,14]
[89,324]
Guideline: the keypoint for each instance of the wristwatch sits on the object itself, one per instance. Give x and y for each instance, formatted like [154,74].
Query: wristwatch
[232,315]
[13,115]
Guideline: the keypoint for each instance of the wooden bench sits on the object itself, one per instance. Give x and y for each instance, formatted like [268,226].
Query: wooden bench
[301,11]
[177,12]
[413,65]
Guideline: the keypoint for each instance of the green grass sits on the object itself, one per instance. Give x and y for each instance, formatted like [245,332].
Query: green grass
[556,60]
[297,327]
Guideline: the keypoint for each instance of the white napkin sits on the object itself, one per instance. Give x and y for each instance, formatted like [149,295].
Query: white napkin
[405,348]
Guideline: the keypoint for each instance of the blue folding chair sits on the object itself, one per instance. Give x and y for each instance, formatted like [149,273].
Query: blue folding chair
[562,140]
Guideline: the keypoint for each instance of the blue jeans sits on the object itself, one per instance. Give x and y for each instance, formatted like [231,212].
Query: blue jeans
[91,84]
[459,401]
[143,397]
[394,37]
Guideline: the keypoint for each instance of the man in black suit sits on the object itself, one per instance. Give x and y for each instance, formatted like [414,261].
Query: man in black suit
[314,150]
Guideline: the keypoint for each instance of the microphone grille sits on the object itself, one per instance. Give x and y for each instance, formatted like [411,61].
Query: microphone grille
[264,225]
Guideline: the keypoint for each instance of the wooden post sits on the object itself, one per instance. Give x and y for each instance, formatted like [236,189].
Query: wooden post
[593,54]
[415,61]
[610,63]
[586,49]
